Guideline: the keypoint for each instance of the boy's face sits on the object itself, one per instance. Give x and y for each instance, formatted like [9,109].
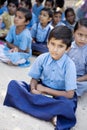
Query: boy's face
[48,5]
[12,8]
[44,17]
[57,18]
[56,48]
[80,36]
[19,19]
[70,17]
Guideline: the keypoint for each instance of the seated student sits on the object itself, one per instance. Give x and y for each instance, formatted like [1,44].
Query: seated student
[8,17]
[37,7]
[70,18]
[78,53]
[3,7]
[56,20]
[49,4]
[27,4]
[18,40]
[51,76]
[40,31]
[60,4]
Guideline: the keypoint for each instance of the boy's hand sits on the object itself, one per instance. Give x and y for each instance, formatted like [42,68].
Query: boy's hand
[41,88]
[14,49]
[34,91]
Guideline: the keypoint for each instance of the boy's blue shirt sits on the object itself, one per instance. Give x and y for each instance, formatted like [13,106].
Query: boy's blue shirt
[39,33]
[56,74]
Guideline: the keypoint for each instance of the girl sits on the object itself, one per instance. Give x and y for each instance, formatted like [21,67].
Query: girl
[51,76]
[18,41]
[70,18]
[40,31]
[78,53]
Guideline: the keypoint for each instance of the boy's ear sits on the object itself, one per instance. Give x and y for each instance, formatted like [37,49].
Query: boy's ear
[50,19]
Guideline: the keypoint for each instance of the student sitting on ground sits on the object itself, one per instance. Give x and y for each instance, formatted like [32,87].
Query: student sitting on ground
[18,41]
[40,31]
[52,75]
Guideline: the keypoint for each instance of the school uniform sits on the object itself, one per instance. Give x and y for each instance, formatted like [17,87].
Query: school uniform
[70,26]
[41,35]
[79,56]
[36,10]
[22,41]
[55,74]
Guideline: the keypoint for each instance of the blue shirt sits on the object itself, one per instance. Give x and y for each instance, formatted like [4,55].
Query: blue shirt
[56,74]
[79,56]
[22,41]
[40,33]
[37,9]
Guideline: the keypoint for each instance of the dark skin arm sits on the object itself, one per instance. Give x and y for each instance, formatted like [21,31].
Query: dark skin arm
[40,89]
[82,78]
[15,48]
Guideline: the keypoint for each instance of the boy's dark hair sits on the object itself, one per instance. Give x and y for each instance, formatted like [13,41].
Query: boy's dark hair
[14,2]
[59,3]
[51,1]
[69,10]
[27,13]
[81,22]
[50,12]
[61,33]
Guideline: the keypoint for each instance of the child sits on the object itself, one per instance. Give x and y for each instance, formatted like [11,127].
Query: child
[51,75]
[57,17]
[27,4]
[70,18]
[37,7]
[3,7]
[8,17]
[40,31]
[18,41]
[78,53]
[49,4]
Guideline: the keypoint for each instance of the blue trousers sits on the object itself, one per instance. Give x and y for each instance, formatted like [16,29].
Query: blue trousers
[40,106]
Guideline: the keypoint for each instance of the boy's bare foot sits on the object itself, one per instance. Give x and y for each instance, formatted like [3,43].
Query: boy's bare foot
[53,121]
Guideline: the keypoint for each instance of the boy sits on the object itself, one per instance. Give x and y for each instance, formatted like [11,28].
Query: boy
[51,75]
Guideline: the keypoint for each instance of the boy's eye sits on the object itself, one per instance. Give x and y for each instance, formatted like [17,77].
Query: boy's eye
[52,44]
[79,34]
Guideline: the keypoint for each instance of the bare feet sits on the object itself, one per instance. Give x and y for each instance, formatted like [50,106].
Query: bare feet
[53,121]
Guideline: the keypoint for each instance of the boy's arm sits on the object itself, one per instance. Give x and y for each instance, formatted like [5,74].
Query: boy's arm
[33,86]
[82,78]
[52,92]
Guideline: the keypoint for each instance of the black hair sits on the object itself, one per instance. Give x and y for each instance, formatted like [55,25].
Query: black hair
[41,1]
[59,3]
[2,2]
[61,33]
[14,2]
[80,22]
[28,3]
[51,1]
[50,13]
[69,10]
[27,13]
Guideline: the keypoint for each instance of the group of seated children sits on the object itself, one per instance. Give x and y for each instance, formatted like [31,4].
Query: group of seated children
[60,73]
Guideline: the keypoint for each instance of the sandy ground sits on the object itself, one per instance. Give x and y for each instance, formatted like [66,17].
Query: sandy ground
[13,119]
